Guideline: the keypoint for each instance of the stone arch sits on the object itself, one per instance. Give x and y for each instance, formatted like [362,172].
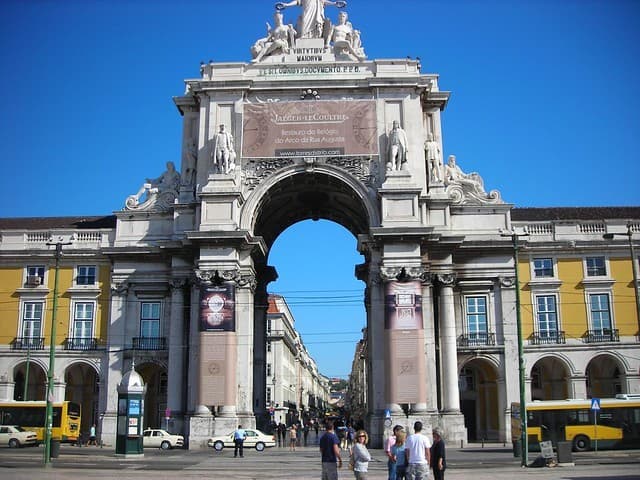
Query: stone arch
[296,194]
[606,375]
[479,379]
[154,375]
[556,372]
[35,376]
[82,380]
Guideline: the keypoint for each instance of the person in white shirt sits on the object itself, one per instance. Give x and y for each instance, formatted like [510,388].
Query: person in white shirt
[418,453]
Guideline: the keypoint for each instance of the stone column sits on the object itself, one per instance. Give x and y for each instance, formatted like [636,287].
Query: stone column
[430,343]
[451,393]
[246,286]
[177,351]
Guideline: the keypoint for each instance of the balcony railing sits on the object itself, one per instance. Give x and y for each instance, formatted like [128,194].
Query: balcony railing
[28,343]
[476,339]
[81,344]
[548,338]
[149,343]
[604,335]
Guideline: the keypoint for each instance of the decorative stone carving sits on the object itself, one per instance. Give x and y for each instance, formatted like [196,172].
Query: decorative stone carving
[177,283]
[466,187]
[232,275]
[120,288]
[223,154]
[279,39]
[447,279]
[159,193]
[434,159]
[396,148]
[363,168]
[507,282]
[346,40]
[256,171]
[312,22]
[403,274]
[189,162]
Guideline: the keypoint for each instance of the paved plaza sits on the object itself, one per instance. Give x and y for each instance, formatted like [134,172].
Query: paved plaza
[473,462]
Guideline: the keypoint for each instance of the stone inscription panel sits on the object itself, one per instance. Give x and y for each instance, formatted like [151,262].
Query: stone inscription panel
[309,128]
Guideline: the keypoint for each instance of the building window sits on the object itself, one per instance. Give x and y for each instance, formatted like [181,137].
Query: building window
[476,316]
[35,275]
[86,275]
[150,320]
[268,369]
[542,267]
[600,313]
[32,320]
[596,267]
[83,320]
[547,316]
[268,395]
[268,346]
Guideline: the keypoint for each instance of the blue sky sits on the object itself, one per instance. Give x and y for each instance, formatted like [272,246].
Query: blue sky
[544,106]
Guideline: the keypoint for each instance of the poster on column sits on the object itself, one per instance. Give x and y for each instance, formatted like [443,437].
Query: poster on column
[405,342]
[403,306]
[218,308]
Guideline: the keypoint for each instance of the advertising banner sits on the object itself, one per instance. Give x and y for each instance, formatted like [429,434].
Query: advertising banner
[218,308]
[403,306]
[309,129]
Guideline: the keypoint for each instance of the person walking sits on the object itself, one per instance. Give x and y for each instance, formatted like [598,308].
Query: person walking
[282,432]
[305,433]
[92,435]
[238,441]
[388,445]
[438,460]
[361,456]
[330,453]
[399,457]
[417,450]
[293,437]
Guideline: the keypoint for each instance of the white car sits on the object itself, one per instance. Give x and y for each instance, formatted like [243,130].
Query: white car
[15,437]
[158,438]
[255,439]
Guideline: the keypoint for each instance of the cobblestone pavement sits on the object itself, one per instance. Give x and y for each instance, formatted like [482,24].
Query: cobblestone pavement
[474,462]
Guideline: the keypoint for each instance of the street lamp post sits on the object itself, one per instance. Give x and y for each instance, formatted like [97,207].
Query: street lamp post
[524,440]
[634,268]
[52,353]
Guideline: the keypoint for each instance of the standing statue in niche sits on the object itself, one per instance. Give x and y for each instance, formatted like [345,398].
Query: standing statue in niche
[432,153]
[279,39]
[471,182]
[169,180]
[312,22]
[223,154]
[189,161]
[346,39]
[396,148]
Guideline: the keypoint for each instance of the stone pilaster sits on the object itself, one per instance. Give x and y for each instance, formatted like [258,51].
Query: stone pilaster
[177,352]
[451,392]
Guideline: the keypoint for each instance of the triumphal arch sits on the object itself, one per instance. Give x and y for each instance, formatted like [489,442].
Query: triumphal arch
[312,128]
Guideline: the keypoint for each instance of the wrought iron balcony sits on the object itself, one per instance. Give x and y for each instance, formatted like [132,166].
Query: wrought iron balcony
[604,335]
[28,343]
[81,344]
[477,339]
[149,343]
[547,338]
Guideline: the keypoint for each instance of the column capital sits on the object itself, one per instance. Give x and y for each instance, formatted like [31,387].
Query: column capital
[447,279]
[507,281]
[120,288]
[177,283]
[404,274]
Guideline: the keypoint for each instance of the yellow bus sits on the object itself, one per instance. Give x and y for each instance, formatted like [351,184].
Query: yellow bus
[617,425]
[31,416]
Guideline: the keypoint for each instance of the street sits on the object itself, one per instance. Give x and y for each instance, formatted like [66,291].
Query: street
[493,461]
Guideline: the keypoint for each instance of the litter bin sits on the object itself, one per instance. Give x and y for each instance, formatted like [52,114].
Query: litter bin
[55,448]
[563,450]
[517,448]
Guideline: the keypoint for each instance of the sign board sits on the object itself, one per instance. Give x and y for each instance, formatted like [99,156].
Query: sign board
[309,129]
[546,449]
[595,404]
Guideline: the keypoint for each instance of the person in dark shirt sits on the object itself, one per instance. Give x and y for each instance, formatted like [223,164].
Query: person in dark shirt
[438,461]
[330,451]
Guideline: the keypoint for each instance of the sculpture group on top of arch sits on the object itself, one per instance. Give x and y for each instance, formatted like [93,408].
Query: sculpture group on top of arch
[341,39]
